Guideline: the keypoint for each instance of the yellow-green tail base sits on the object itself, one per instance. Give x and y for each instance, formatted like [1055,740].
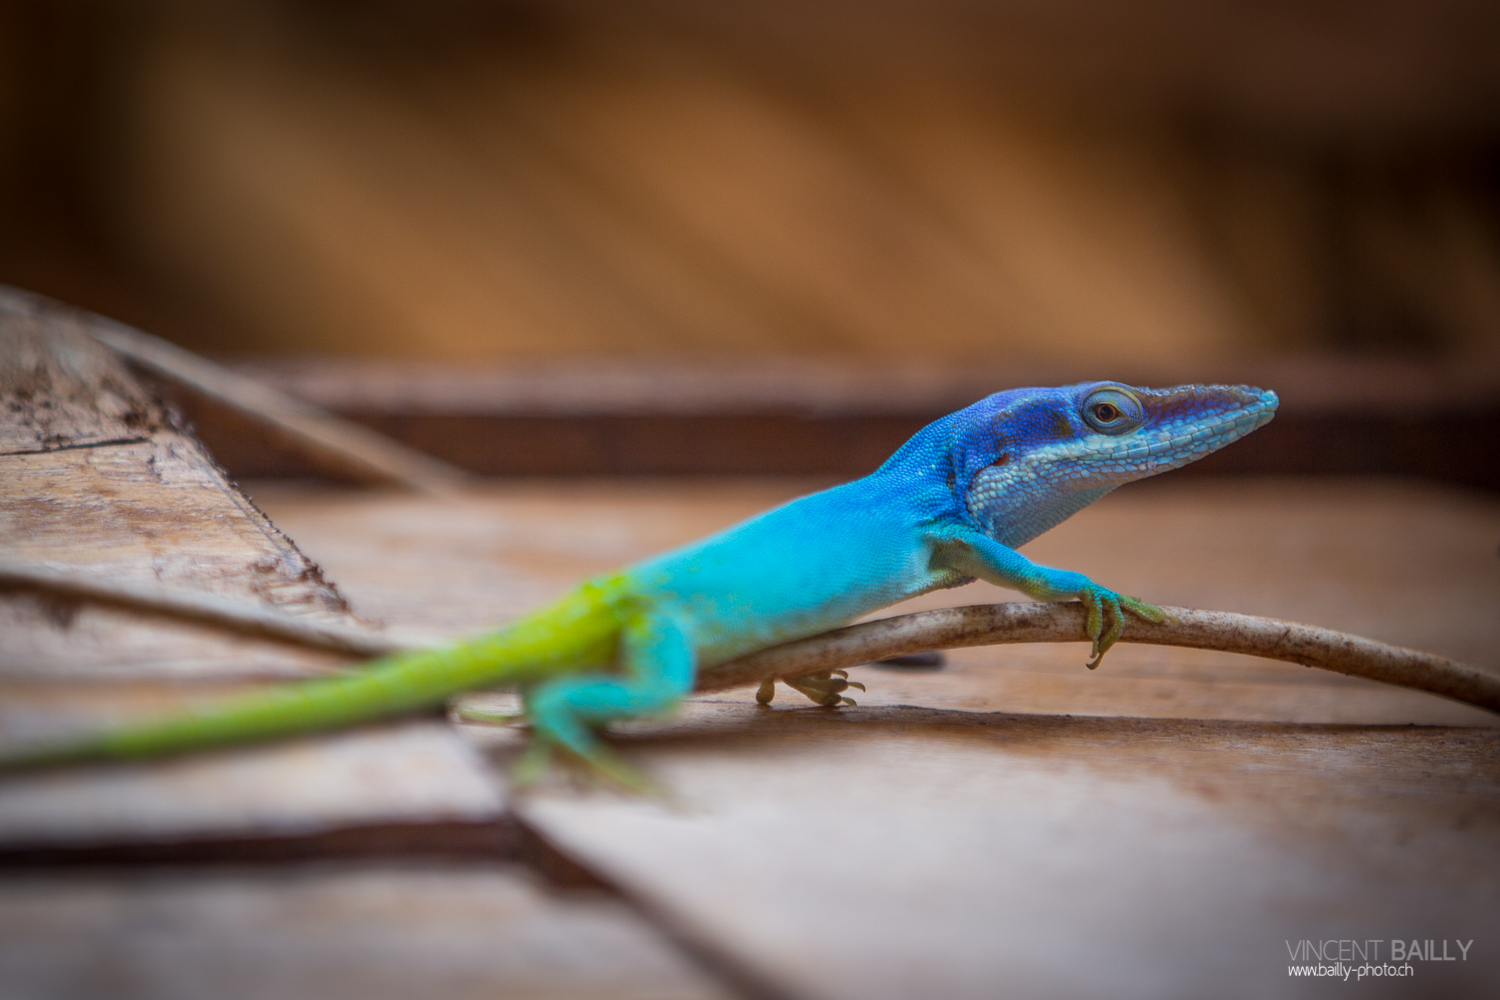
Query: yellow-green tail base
[579,632]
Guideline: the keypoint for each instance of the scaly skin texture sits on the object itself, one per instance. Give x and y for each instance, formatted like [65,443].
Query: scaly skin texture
[952,505]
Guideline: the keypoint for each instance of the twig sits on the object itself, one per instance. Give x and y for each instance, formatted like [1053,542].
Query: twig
[948,628]
[204,609]
[990,624]
[337,444]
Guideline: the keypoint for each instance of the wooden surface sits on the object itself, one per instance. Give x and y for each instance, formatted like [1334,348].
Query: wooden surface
[1158,828]
[899,852]
[98,478]
[1339,414]
[337,933]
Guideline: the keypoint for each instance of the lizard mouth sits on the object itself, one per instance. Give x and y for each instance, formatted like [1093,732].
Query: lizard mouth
[1188,422]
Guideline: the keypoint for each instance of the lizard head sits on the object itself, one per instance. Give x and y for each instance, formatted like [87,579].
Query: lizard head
[1029,458]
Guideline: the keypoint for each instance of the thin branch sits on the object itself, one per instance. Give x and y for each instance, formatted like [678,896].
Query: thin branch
[204,609]
[948,628]
[335,443]
[991,624]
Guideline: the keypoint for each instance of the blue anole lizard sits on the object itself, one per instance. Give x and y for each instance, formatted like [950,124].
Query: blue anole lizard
[952,505]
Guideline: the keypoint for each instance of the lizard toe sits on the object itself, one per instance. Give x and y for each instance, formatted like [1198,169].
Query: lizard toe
[825,687]
[1106,619]
[1141,609]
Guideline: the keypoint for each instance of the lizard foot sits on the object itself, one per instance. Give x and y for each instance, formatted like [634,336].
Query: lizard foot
[1106,618]
[824,688]
[533,764]
[598,765]
[607,767]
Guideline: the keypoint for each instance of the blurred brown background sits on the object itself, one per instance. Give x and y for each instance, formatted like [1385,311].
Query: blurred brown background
[1155,191]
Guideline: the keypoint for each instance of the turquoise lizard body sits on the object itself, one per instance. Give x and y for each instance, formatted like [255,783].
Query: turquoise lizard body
[952,505]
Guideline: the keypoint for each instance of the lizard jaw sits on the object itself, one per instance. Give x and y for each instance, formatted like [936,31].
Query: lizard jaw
[1016,500]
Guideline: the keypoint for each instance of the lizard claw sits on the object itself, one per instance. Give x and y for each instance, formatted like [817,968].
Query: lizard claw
[1105,621]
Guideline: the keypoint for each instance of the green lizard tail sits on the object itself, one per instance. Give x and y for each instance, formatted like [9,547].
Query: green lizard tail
[580,631]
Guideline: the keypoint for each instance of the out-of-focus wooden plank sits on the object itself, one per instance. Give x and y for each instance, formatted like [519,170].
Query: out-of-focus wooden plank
[1437,445]
[903,852]
[808,213]
[333,445]
[281,166]
[475,932]
[789,416]
[415,772]
[1400,73]
[418,774]
[637,196]
[702,186]
[43,708]
[102,482]
[812,239]
[1322,383]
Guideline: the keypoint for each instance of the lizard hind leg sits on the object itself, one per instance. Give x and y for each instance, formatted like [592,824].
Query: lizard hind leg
[824,688]
[658,667]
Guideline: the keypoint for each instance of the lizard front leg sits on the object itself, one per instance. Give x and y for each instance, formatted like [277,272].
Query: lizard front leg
[974,554]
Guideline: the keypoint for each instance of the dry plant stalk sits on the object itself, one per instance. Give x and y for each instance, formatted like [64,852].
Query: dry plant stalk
[200,608]
[339,445]
[947,628]
[994,624]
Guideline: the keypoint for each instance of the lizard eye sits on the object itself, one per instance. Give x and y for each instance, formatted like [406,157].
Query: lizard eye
[1112,411]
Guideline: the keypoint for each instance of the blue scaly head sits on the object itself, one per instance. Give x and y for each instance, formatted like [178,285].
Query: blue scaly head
[1031,458]
[1000,472]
